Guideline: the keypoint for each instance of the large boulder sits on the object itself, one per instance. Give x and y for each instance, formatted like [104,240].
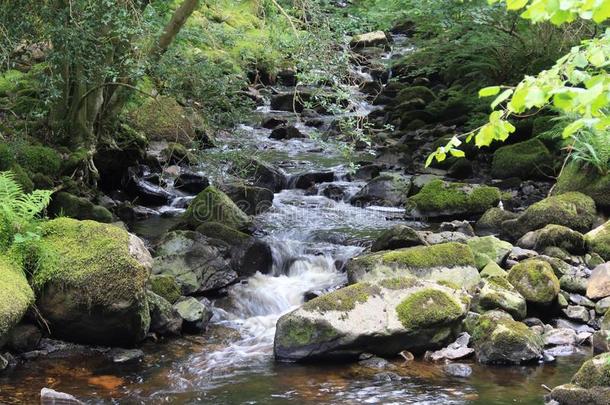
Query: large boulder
[212,205]
[194,261]
[91,279]
[584,180]
[598,240]
[488,249]
[370,39]
[443,199]
[397,237]
[388,190]
[16,296]
[554,236]
[573,210]
[599,282]
[535,280]
[498,339]
[252,200]
[525,160]
[497,293]
[452,263]
[382,318]
[260,174]
[594,372]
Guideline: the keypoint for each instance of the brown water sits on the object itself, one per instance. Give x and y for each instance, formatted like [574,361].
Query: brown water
[168,375]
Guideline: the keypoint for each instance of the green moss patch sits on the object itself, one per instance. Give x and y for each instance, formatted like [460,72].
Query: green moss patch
[598,240]
[295,331]
[212,205]
[526,160]
[399,283]
[594,372]
[428,307]
[165,285]
[344,299]
[535,280]
[588,181]
[420,257]
[16,296]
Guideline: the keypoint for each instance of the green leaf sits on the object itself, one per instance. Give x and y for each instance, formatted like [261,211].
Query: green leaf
[489,91]
[501,98]
[457,153]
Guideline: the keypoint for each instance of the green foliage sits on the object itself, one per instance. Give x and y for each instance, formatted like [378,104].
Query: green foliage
[592,149]
[18,211]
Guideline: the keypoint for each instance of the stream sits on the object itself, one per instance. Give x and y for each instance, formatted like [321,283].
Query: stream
[232,363]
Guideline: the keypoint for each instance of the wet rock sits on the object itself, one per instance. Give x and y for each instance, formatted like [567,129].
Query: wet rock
[578,327]
[212,205]
[287,77]
[388,190]
[498,293]
[273,122]
[231,237]
[92,283]
[176,154]
[498,339]
[125,355]
[23,338]
[457,226]
[442,199]
[573,284]
[52,397]
[598,240]
[560,337]
[196,264]
[286,132]
[452,263]
[370,39]
[572,210]
[491,221]
[145,192]
[191,182]
[458,370]
[367,172]
[254,256]
[164,318]
[456,350]
[381,318]
[577,313]
[535,280]
[260,174]
[334,192]
[489,249]
[556,236]
[560,351]
[305,180]
[250,199]
[194,314]
[371,361]
[599,282]
[436,238]
[397,237]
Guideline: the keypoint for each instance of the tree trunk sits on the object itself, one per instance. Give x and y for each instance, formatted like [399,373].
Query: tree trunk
[172,29]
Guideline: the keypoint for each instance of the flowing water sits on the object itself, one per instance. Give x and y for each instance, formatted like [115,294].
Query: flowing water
[311,237]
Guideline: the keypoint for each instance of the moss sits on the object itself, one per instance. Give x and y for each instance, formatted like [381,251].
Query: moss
[39,159]
[294,330]
[212,205]
[66,204]
[598,240]
[415,92]
[165,286]
[588,181]
[399,283]
[428,307]
[421,257]
[16,296]
[573,210]
[7,157]
[488,248]
[535,280]
[492,219]
[561,237]
[163,119]
[492,269]
[529,159]
[594,372]
[22,178]
[88,257]
[219,231]
[344,299]
[176,153]
[442,198]
[9,81]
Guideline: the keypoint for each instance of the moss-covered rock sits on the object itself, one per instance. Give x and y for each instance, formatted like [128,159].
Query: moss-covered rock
[90,279]
[554,236]
[453,262]
[397,237]
[498,339]
[375,38]
[598,240]
[252,200]
[163,119]
[164,285]
[573,210]
[535,280]
[492,219]
[212,205]
[526,160]
[584,180]
[16,296]
[176,153]
[414,93]
[571,394]
[39,159]
[441,199]
[383,318]
[492,269]
[594,372]
[164,319]
[488,249]
[388,190]
[69,205]
[216,230]
[498,293]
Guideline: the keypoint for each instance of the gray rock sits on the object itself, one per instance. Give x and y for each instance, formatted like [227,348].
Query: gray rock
[458,370]
[397,237]
[194,314]
[456,350]
[560,337]
[52,397]
[436,238]
[602,306]
[23,338]
[573,283]
[578,299]
[457,226]
[564,323]
[164,318]
[388,190]
[125,355]
[599,282]
[577,313]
